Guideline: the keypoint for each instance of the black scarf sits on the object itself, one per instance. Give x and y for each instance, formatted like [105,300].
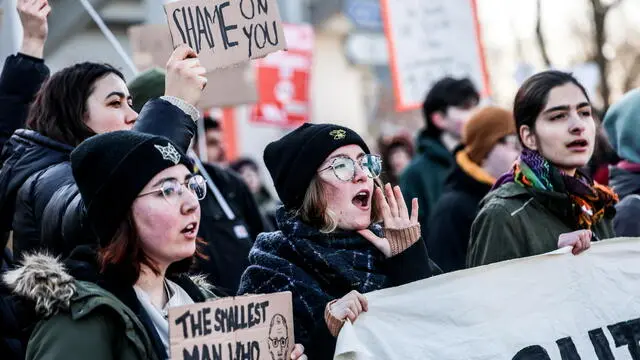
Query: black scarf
[316,267]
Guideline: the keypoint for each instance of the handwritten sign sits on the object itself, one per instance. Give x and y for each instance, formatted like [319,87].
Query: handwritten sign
[226,32]
[284,79]
[151,45]
[429,40]
[242,328]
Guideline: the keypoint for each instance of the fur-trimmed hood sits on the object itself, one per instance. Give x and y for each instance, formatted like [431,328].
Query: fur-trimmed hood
[44,280]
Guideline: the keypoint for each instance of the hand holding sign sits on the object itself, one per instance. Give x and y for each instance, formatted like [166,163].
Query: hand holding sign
[185,76]
[33,15]
[224,32]
[349,307]
[580,240]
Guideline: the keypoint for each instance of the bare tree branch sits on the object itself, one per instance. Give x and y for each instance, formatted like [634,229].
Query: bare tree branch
[612,5]
[540,37]
[599,37]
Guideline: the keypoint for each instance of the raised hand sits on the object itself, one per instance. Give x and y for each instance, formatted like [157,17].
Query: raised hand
[580,240]
[185,76]
[33,16]
[401,228]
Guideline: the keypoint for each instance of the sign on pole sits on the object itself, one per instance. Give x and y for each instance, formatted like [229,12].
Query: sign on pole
[429,40]
[225,32]
[283,81]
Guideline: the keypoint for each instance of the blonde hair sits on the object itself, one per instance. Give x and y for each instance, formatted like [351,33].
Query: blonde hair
[315,212]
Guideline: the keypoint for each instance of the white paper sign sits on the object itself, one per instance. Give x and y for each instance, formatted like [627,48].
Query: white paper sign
[429,40]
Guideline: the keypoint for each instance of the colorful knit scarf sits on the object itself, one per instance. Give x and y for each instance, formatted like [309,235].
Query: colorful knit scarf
[589,200]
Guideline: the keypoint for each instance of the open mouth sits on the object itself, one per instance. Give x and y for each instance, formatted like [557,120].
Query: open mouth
[579,144]
[190,230]
[362,199]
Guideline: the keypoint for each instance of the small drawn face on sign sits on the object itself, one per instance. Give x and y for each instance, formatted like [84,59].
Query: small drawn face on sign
[278,340]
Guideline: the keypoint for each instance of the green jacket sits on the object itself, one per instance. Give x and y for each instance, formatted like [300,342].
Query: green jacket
[80,320]
[424,178]
[513,224]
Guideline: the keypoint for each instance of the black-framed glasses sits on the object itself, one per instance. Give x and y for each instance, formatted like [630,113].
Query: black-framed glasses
[345,167]
[172,189]
[281,342]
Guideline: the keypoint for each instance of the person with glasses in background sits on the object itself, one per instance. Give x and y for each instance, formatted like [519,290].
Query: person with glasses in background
[331,246]
[142,203]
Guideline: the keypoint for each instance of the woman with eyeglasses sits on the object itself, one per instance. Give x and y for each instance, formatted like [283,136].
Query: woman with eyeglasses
[545,201]
[142,204]
[331,247]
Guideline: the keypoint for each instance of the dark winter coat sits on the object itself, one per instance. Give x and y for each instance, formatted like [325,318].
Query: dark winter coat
[36,170]
[21,78]
[318,268]
[450,224]
[513,224]
[424,178]
[86,320]
[228,241]
[627,185]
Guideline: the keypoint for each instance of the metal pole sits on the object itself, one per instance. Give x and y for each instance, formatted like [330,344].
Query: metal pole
[109,35]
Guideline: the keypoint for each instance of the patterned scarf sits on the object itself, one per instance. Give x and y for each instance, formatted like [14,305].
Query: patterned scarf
[316,267]
[588,200]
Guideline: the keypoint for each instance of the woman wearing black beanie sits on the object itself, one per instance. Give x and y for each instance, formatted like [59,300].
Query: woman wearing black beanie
[330,248]
[142,204]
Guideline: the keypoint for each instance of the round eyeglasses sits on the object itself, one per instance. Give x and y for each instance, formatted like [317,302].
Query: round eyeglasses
[344,167]
[172,189]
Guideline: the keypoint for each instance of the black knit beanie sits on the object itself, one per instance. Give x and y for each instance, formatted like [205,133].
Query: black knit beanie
[111,169]
[293,160]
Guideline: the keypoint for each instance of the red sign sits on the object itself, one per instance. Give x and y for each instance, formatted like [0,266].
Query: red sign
[283,81]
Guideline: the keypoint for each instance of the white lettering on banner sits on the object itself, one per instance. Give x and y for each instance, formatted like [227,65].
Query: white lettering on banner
[555,306]
[429,40]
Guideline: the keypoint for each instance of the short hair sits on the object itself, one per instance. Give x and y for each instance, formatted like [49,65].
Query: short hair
[445,93]
[211,123]
[59,108]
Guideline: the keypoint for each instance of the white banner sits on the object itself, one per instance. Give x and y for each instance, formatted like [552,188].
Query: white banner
[552,306]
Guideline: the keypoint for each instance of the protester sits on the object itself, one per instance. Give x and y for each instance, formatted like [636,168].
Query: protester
[230,216]
[250,173]
[490,149]
[621,125]
[329,248]
[74,104]
[545,202]
[396,153]
[147,228]
[446,109]
[214,142]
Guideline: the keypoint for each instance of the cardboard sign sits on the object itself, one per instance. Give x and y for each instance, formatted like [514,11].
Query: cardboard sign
[226,32]
[555,306]
[151,46]
[283,81]
[235,85]
[251,327]
[429,40]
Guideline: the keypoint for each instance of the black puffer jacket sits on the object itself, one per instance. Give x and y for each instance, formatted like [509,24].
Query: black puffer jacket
[40,183]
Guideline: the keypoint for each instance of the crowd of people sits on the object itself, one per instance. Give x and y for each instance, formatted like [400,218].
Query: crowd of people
[114,217]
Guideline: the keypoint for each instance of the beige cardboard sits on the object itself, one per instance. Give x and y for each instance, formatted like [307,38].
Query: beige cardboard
[261,328]
[226,32]
[151,45]
[230,86]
